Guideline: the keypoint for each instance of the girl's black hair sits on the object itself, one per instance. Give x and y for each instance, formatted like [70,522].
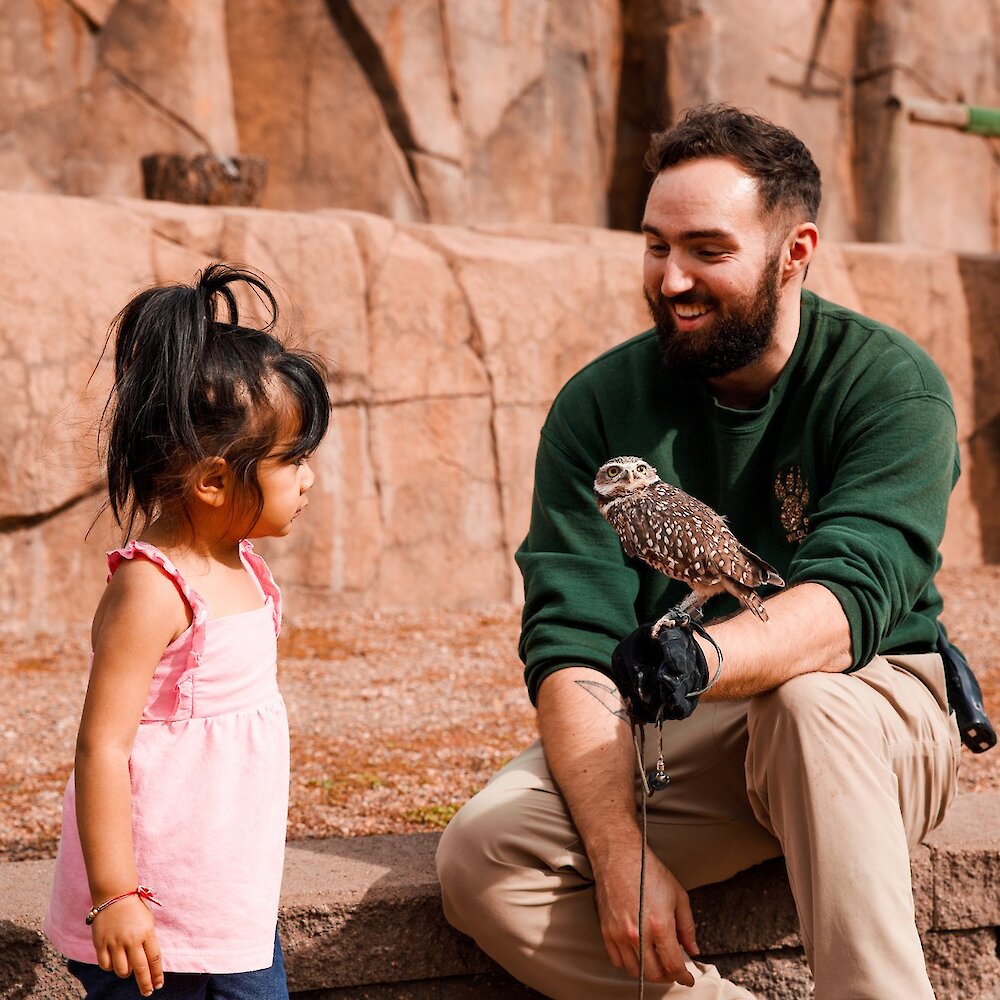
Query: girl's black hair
[190,385]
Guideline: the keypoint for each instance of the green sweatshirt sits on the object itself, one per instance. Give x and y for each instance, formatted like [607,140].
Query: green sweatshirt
[841,477]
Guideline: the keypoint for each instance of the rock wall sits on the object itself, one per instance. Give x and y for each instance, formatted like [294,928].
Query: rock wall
[468,112]
[450,343]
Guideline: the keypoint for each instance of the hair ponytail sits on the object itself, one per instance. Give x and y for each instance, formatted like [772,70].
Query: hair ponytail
[189,386]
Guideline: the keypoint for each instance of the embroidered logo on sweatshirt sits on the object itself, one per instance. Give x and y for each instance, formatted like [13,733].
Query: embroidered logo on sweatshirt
[792,493]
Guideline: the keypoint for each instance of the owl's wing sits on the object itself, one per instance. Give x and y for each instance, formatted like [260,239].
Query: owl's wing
[683,505]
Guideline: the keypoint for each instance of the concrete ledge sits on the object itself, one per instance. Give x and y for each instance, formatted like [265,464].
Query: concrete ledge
[361,920]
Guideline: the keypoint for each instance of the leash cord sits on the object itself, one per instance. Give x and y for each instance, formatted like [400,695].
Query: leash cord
[639,741]
[718,670]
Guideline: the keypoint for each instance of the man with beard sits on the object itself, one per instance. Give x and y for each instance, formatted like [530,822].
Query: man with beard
[829,442]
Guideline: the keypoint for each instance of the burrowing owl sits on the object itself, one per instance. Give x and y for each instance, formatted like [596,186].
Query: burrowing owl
[680,536]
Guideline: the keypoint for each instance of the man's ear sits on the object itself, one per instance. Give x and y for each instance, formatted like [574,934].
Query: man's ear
[800,245]
[212,483]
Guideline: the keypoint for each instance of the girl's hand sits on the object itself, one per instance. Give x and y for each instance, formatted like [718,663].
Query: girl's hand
[125,941]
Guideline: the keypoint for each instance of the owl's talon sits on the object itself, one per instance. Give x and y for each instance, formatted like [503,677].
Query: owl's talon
[674,618]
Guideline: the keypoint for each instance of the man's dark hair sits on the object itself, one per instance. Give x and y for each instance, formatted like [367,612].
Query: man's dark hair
[786,175]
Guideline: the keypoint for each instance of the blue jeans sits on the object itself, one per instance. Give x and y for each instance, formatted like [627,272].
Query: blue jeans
[264,984]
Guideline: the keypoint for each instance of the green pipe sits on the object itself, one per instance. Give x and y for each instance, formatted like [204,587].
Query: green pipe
[983,121]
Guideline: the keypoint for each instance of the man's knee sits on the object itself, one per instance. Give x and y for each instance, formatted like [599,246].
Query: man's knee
[801,709]
[503,848]
[809,729]
[465,845]
[477,849]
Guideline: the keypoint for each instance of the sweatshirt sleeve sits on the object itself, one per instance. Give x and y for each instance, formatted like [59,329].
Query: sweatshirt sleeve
[579,593]
[874,537]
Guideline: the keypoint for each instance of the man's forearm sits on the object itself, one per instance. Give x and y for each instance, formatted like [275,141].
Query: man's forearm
[806,632]
[589,749]
[590,754]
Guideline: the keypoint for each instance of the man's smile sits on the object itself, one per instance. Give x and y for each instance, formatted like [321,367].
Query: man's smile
[688,314]
[690,311]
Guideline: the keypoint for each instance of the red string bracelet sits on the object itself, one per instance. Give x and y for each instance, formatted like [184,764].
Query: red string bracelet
[140,890]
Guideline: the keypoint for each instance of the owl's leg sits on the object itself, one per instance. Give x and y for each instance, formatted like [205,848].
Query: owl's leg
[689,609]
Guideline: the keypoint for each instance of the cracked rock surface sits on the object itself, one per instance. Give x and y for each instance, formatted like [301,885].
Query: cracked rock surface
[449,345]
[493,111]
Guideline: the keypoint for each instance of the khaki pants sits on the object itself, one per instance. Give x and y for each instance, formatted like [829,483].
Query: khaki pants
[840,773]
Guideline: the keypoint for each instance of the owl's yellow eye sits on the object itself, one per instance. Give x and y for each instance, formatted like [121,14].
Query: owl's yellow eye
[614,471]
[642,467]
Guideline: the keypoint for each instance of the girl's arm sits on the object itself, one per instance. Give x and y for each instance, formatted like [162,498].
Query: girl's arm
[139,615]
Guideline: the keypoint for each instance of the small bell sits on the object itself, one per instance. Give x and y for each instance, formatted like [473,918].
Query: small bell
[658,779]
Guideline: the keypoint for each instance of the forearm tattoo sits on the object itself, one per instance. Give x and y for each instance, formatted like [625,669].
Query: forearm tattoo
[607,695]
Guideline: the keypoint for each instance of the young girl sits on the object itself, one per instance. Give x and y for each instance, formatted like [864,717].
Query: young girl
[170,861]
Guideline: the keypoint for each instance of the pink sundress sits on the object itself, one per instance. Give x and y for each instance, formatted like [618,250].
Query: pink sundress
[209,771]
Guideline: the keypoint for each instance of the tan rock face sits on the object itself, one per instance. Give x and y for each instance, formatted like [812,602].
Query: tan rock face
[787,64]
[56,300]
[535,111]
[96,87]
[921,183]
[304,103]
[982,292]
[450,345]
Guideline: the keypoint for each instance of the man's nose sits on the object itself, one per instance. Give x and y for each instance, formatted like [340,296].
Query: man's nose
[676,278]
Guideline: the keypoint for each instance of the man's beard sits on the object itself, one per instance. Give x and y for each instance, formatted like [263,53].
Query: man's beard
[737,336]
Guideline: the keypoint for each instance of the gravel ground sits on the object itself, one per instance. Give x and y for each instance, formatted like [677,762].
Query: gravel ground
[396,718]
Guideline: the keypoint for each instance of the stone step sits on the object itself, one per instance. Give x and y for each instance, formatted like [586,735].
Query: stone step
[361,920]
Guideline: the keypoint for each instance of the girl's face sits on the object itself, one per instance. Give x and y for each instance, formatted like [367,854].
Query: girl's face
[284,484]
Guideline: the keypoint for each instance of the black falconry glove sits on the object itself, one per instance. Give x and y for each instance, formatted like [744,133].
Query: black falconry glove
[661,678]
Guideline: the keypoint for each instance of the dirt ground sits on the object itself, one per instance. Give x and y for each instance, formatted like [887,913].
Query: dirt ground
[396,718]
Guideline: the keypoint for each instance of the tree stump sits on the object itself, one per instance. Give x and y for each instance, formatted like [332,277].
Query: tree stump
[205,179]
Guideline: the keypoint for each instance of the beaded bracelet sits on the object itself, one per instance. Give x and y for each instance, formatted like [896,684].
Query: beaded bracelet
[140,890]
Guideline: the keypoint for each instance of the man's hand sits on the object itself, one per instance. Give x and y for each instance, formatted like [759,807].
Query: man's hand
[669,925]
[125,941]
[589,750]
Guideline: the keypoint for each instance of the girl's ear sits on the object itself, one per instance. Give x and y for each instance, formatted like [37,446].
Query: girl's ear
[212,482]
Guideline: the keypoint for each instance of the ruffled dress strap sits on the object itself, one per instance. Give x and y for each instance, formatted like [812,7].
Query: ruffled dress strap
[264,578]
[184,701]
